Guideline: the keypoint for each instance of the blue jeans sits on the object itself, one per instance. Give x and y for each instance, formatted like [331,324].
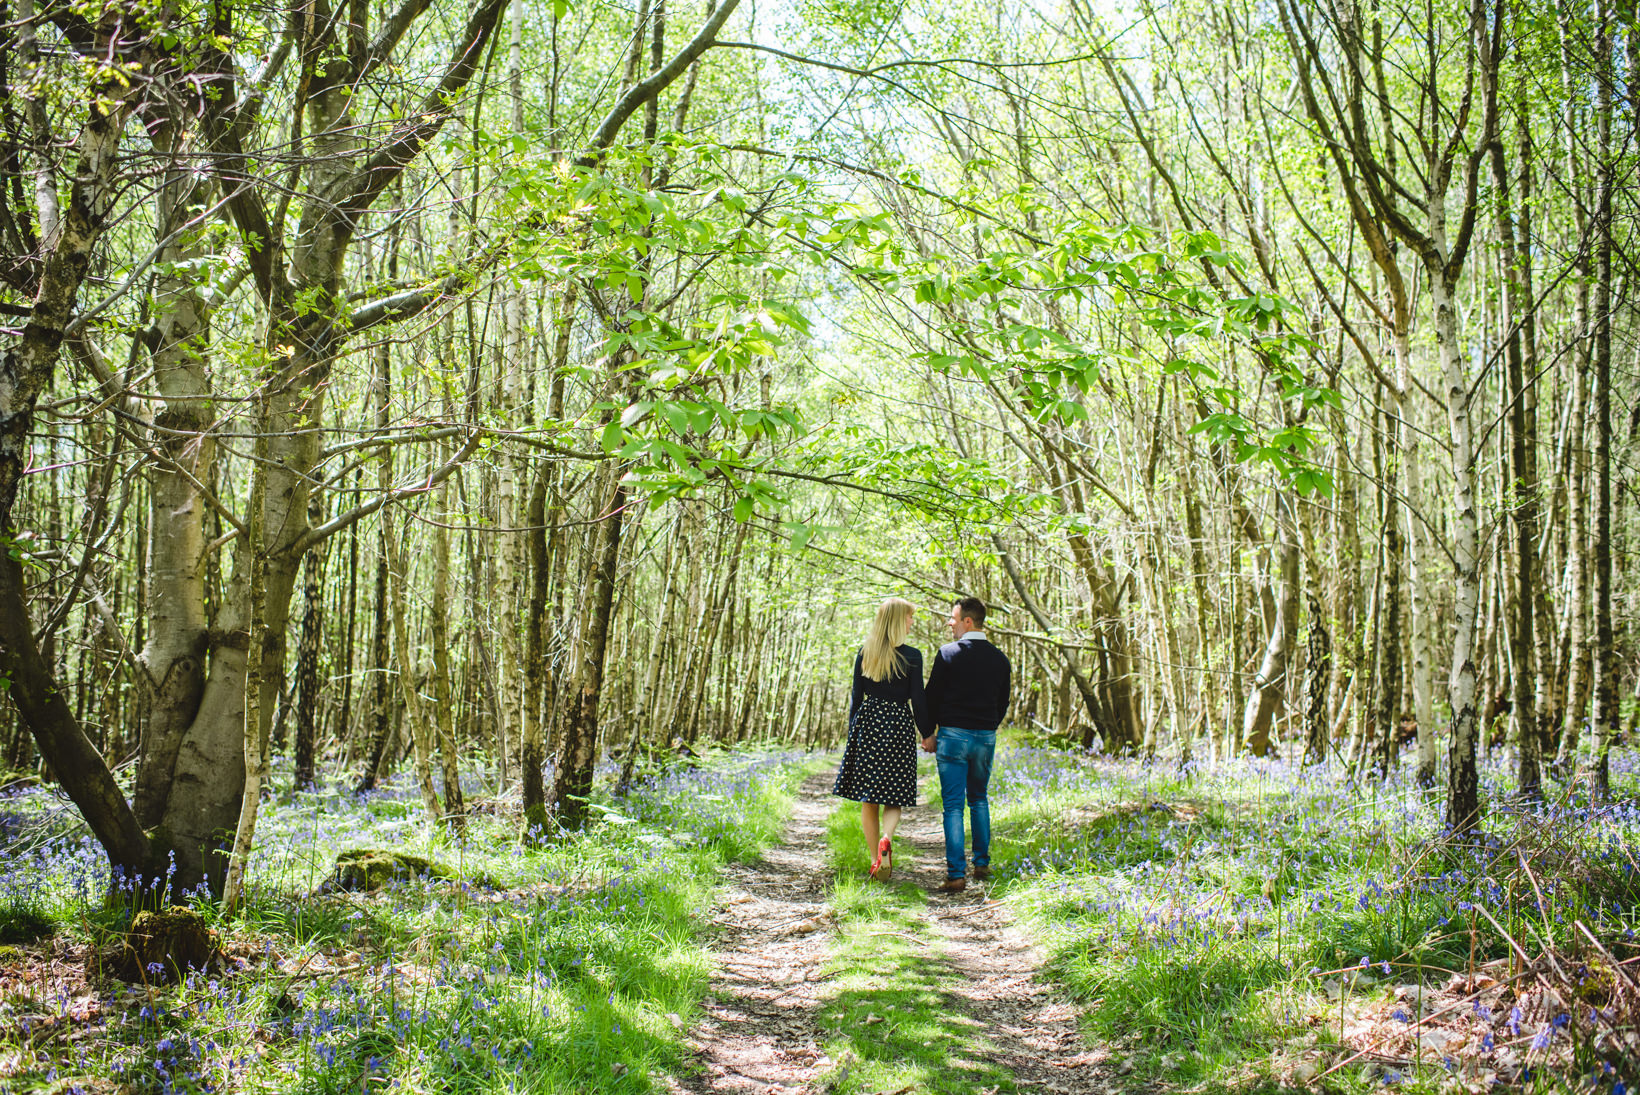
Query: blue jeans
[964,760]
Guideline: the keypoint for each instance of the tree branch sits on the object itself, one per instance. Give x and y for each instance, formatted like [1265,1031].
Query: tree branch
[341,521]
[360,190]
[653,85]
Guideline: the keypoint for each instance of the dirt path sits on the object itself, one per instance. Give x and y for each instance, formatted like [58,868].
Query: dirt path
[772,937]
[1032,1030]
[774,933]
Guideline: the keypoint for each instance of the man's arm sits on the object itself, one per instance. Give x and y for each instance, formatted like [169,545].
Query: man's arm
[919,702]
[934,694]
[1007,689]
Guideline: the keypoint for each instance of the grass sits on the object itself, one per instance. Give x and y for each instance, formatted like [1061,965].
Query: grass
[569,968]
[1259,928]
[893,1022]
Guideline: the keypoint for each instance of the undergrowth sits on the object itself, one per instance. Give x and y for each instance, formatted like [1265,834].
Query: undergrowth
[1262,927]
[566,968]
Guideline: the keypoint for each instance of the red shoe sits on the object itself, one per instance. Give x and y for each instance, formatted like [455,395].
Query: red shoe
[883,867]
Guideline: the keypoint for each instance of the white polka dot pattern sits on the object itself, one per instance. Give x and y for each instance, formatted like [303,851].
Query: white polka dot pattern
[880,762]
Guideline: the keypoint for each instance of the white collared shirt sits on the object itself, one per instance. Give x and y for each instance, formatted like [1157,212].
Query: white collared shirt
[972,635]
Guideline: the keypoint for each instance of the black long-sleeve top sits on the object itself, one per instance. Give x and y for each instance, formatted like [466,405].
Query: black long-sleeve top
[969,685]
[908,685]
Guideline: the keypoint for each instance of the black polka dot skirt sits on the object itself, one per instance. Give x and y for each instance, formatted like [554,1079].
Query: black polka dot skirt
[880,761]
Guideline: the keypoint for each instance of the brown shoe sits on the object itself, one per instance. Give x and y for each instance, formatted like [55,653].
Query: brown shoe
[981,874]
[952,885]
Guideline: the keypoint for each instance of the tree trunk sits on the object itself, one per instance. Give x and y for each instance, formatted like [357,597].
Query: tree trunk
[546,551]
[1579,633]
[350,600]
[177,651]
[1387,655]
[255,726]
[572,779]
[1577,647]
[1270,683]
[307,656]
[532,746]
[63,744]
[444,717]
[1522,494]
[1417,553]
[414,712]
[716,612]
[1318,652]
[1068,655]
[1463,776]
[1607,719]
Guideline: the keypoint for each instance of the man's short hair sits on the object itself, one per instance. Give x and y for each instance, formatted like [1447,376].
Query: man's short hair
[971,608]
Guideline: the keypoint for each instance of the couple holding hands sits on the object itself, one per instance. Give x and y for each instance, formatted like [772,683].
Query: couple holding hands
[956,715]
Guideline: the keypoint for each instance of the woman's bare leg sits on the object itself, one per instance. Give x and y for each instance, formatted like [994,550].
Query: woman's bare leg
[868,822]
[891,820]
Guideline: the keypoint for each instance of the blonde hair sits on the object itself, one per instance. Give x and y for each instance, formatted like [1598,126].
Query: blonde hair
[880,658]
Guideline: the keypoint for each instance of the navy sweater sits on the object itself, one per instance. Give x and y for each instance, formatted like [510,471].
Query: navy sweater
[906,686]
[969,685]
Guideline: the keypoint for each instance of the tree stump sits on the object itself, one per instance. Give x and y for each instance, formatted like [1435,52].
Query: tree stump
[160,947]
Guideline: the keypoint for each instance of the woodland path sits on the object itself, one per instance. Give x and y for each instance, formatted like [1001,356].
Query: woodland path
[774,933]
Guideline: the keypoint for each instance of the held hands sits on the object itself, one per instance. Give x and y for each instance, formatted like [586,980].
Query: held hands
[928,744]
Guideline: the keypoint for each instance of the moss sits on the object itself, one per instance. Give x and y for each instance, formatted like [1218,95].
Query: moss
[24,924]
[538,824]
[370,869]
[160,947]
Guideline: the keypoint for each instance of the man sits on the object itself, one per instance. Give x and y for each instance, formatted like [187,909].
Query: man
[967,697]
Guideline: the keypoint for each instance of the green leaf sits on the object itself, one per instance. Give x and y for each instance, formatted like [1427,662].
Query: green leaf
[744,509]
[677,418]
[611,439]
[1312,481]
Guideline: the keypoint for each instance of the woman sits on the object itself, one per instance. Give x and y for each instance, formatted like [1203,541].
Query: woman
[886,716]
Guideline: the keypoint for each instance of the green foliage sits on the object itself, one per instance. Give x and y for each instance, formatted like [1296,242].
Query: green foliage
[1051,368]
